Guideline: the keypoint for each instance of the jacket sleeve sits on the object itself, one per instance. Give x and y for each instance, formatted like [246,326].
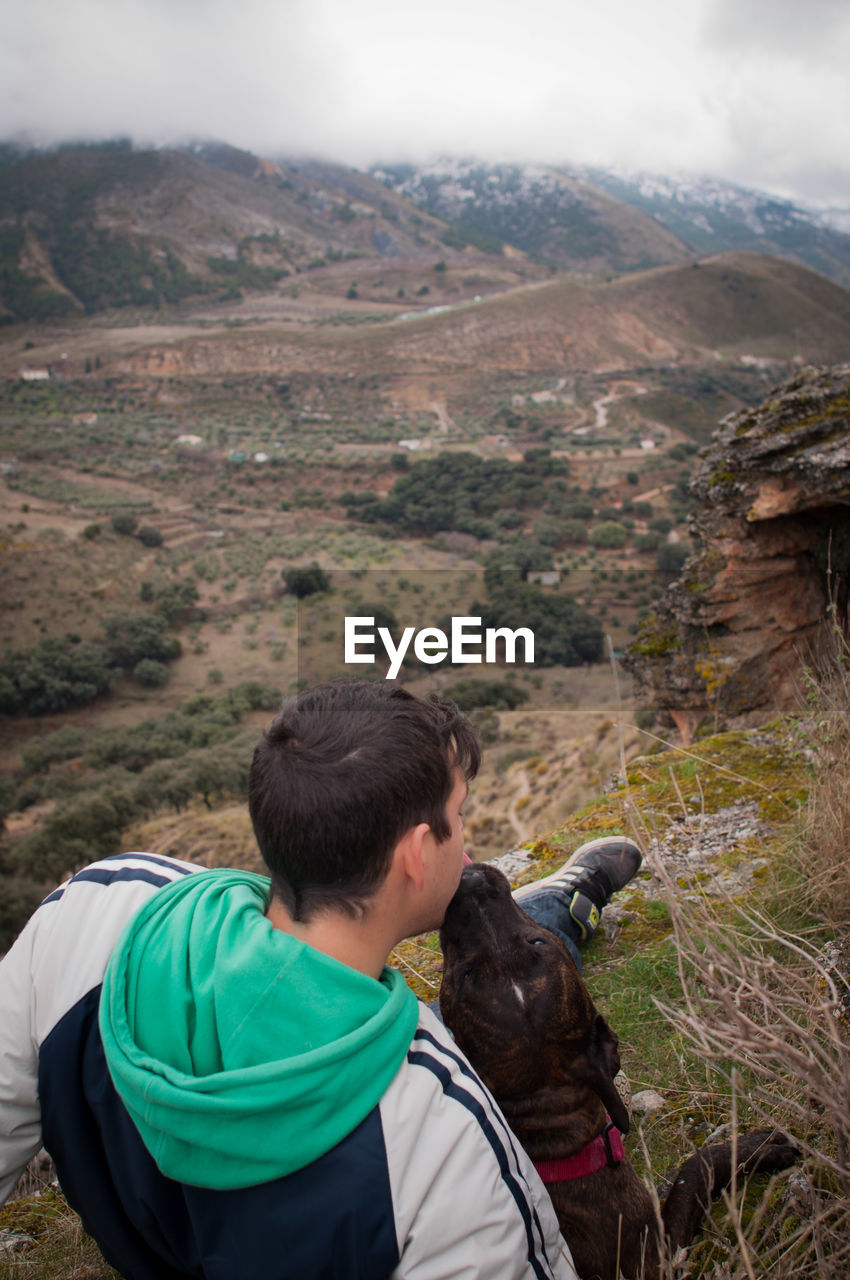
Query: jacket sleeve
[60,955]
[467,1201]
[20,1115]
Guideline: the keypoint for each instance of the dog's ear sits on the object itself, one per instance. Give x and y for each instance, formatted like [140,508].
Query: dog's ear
[603,1060]
[604,1047]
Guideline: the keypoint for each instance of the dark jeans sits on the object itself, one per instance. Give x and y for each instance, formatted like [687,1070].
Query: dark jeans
[551,908]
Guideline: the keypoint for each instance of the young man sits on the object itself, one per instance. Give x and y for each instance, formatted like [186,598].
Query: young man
[230,1081]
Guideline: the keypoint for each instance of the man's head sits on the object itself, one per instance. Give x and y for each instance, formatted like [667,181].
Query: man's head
[342,773]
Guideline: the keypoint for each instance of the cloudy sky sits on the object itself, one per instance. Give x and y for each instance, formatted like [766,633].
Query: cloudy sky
[755,91]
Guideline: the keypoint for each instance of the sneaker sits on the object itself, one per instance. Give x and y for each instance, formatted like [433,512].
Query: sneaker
[593,873]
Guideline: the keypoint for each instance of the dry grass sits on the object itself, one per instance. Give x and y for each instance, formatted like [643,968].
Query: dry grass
[825,860]
[763,1008]
[766,996]
[52,1243]
[65,1252]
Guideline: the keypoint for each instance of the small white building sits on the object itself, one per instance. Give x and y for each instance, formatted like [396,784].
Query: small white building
[34,375]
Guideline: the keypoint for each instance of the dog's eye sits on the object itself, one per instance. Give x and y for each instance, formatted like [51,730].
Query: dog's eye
[537,942]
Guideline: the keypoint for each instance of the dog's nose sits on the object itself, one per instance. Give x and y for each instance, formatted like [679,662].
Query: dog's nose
[474,873]
[481,882]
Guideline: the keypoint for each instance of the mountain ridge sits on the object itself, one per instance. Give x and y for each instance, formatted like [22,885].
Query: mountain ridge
[697,214]
[121,226]
[703,211]
[86,228]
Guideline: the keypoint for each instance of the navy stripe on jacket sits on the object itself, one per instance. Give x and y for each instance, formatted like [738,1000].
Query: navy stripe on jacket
[500,1145]
[99,874]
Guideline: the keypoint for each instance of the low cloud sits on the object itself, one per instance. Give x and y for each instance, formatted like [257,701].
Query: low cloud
[719,86]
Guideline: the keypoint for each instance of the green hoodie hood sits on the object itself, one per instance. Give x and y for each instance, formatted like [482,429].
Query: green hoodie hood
[241,1053]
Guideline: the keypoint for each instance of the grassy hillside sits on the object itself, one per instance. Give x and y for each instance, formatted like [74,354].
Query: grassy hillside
[735,308]
[733,304]
[742,301]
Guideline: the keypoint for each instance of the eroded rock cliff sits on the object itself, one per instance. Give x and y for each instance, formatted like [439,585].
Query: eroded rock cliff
[772,547]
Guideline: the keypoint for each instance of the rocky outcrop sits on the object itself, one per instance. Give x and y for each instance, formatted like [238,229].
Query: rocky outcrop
[772,550]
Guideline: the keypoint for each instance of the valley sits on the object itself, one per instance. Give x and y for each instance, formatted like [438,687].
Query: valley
[434,425]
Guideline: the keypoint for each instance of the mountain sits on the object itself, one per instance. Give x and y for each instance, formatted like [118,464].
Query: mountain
[603,220]
[708,216]
[87,227]
[551,214]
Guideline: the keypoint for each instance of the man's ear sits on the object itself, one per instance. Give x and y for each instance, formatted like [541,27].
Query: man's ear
[410,852]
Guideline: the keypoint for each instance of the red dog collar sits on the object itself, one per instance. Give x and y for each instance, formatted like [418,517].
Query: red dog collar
[605,1149]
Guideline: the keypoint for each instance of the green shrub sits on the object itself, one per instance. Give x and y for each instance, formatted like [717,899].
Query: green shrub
[564,633]
[464,492]
[306,581]
[150,673]
[133,636]
[57,673]
[64,744]
[496,694]
[173,600]
[124,522]
[574,531]
[608,535]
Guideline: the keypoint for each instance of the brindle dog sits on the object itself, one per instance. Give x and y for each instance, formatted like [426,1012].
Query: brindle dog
[519,1010]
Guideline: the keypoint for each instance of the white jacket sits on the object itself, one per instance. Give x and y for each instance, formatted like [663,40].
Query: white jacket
[432,1186]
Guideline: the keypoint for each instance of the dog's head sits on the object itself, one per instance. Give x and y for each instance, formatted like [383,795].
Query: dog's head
[515,1002]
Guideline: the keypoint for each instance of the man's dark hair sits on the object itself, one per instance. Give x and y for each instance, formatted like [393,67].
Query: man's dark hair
[340,775]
